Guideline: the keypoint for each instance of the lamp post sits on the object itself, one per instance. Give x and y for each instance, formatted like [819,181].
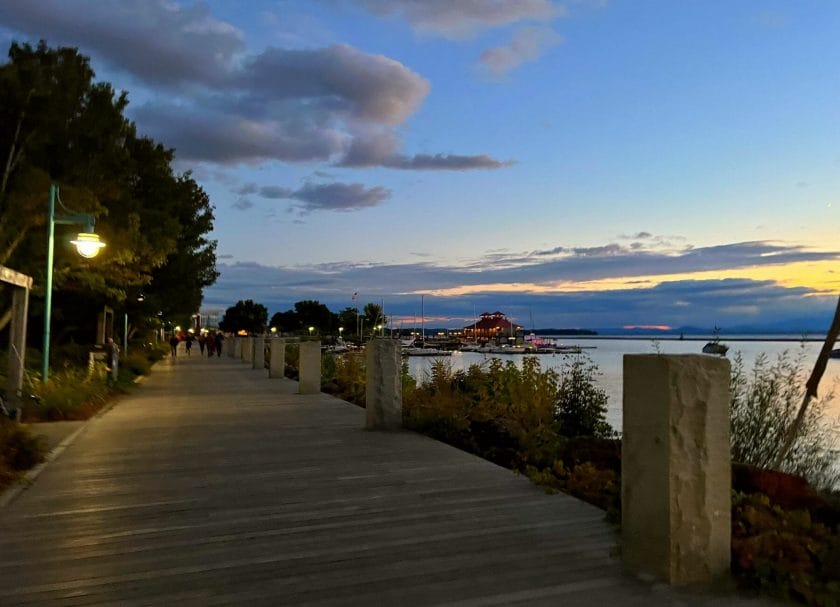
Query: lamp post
[87,245]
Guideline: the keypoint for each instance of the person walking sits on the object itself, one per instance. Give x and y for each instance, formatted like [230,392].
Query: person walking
[201,340]
[219,340]
[211,346]
[173,345]
[189,340]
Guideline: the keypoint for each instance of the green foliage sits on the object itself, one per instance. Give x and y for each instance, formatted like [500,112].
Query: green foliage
[19,451]
[245,316]
[581,404]
[136,363]
[764,404]
[71,394]
[502,412]
[348,377]
[292,361]
[59,126]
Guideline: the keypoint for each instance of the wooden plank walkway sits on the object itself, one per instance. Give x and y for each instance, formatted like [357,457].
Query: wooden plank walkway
[214,485]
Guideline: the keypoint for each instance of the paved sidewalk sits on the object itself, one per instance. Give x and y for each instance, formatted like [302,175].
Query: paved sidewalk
[214,485]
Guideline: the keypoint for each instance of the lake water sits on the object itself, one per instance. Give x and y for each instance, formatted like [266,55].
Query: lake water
[608,355]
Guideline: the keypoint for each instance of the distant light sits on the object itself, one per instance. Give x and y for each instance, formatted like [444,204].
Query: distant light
[88,244]
[177,327]
[274,329]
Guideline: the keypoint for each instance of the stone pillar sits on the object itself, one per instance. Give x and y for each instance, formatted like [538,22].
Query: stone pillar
[259,353]
[309,367]
[237,347]
[383,391]
[277,365]
[675,467]
[229,345]
[248,349]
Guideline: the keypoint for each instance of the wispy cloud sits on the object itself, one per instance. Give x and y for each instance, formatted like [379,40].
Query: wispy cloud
[464,18]
[526,45]
[338,197]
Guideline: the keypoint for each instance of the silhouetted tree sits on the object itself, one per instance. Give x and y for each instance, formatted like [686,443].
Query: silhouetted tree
[245,316]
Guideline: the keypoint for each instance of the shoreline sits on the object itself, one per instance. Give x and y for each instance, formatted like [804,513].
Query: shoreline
[722,338]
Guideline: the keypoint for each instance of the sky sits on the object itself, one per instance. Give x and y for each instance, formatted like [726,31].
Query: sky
[587,163]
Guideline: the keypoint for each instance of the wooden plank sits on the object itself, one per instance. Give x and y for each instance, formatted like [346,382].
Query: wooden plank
[213,485]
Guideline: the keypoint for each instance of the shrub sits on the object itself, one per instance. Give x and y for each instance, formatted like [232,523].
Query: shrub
[72,394]
[19,450]
[764,404]
[784,552]
[581,404]
[136,363]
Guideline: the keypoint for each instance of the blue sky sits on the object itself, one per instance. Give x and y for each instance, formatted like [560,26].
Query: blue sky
[585,163]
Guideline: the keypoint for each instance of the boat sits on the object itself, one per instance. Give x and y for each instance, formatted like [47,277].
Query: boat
[834,353]
[425,352]
[715,347]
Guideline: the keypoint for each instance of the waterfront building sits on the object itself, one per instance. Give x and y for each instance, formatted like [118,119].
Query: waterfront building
[494,327]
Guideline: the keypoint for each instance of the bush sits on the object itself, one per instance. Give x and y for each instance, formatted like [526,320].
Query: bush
[19,451]
[581,404]
[765,403]
[136,363]
[72,394]
[784,552]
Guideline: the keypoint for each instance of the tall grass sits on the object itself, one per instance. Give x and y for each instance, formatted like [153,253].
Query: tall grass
[764,404]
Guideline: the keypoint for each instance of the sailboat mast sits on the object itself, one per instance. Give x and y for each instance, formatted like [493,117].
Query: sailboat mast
[422,321]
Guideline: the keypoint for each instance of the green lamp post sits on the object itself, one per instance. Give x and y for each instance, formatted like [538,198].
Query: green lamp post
[87,245]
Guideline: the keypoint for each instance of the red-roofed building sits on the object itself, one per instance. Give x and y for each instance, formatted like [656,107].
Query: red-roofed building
[494,327]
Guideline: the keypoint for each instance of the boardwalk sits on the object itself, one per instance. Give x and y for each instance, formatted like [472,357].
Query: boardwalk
[214,485]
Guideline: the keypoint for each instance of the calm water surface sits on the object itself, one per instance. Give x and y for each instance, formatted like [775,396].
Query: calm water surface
[608,355]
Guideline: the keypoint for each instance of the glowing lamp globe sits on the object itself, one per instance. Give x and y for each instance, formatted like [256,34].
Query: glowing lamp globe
[88,244]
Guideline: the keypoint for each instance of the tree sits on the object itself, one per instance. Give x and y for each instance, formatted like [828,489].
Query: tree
[374,316]
[245,316]
[285,322]
[59,126]
[581,405]
[348,318]
[313,313]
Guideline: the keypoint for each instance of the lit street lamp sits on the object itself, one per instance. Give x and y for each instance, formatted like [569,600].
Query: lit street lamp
[87,244]
[311,329]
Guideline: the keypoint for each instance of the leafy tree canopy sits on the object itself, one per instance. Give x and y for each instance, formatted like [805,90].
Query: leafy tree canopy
[245,316]
[59,126]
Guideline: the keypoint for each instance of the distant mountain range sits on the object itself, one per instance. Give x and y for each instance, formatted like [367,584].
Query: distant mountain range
[809,327]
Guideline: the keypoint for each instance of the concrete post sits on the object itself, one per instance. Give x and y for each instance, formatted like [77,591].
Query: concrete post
[248,349]
[259,353]
[237,347]
[309,381]
[277,365]
[383,391]
[675,467]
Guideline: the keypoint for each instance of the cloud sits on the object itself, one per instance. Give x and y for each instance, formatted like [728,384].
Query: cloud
[274,192]
[593,287]
[699,303]
[526,45]
[158,41]
[465,18]
[214,102]
[339,197]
